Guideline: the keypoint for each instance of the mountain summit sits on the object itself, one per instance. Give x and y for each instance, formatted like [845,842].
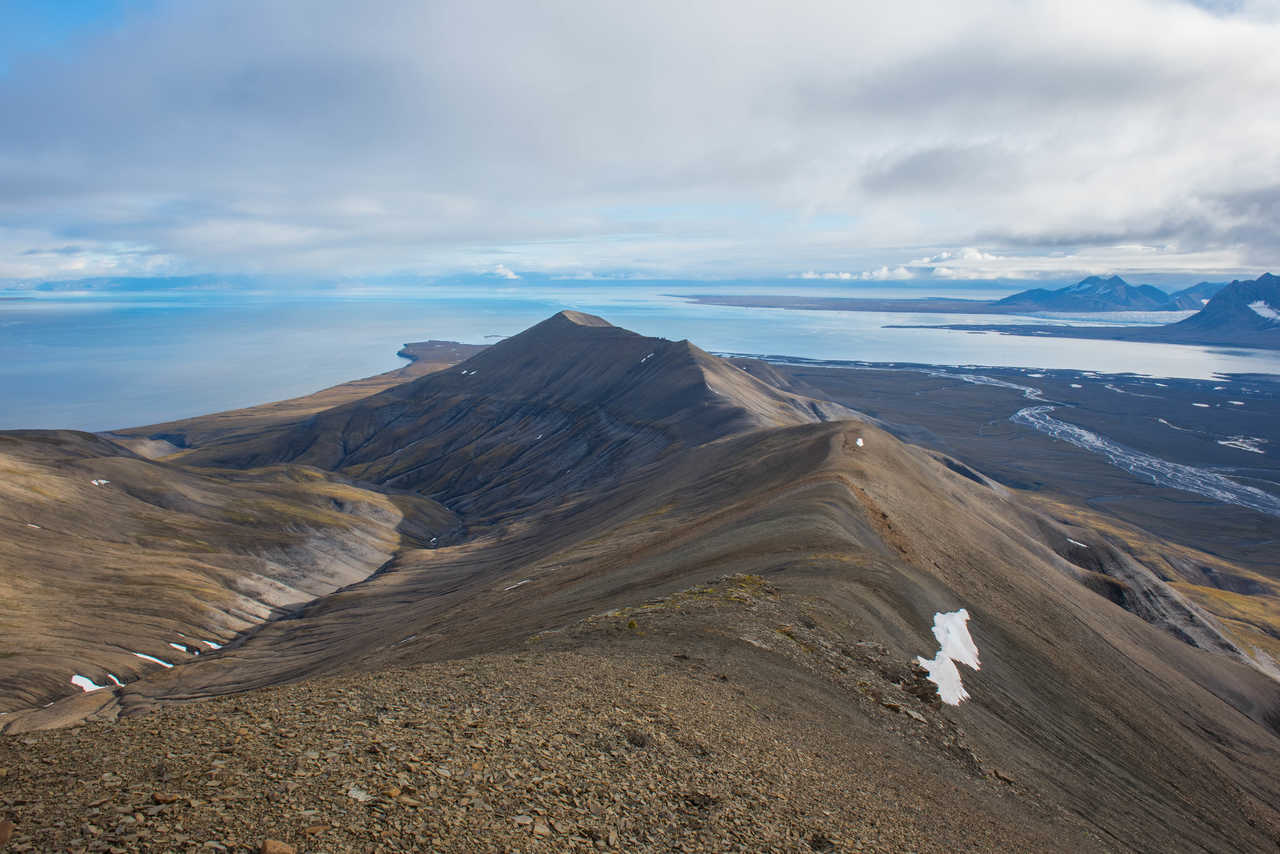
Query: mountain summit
[1094,293]
[1245,312]
[563,405]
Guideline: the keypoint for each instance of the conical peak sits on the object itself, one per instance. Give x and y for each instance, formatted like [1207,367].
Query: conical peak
[556,331]
[579,318]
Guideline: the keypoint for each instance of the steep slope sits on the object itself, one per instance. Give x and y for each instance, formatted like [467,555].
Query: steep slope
[104,555]
[425,357]
[1242,311]
[744,569]
[567,404]
[1092,294]
[861,545]
[1195,297]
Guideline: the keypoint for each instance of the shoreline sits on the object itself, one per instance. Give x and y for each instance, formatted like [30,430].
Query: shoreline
[908,305]
[1155,334]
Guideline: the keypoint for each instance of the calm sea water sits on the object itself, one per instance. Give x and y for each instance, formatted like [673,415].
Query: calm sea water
[102,361]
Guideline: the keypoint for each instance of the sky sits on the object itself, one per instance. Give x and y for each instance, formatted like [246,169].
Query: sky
[842,140]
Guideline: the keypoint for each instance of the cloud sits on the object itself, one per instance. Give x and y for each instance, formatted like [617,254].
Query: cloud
[880,274]
[952,256]
[501,271]
[1160,262]
[669,138]
[813,275]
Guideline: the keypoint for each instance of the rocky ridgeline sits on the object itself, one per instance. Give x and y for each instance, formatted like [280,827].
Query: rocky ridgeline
[522,753]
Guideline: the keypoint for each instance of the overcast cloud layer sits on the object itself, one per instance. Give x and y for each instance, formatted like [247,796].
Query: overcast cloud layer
[869,140]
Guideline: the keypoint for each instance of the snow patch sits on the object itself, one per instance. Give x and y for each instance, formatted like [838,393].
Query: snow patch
[859,442]
[211,644]
[646,358]
[99,482]
[153,659]
[115,679]
[517,584]
[37,527]
[1077,543]
[1201,405]
[1263,309]
[1236,402]
[84,683]
[954,645]
[1076,385]
[179,647]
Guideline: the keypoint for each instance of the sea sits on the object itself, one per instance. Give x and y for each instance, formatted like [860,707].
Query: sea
[100,360]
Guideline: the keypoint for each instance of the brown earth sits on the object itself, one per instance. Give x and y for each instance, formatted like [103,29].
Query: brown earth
[532,752]
[747,582]
[161,555]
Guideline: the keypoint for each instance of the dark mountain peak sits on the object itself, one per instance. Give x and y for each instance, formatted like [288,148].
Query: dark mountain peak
[562,337]
[1095,293]
[1241,308]
[1093,283]
[580,318]
[1248,289]
[569,402]
[567,321]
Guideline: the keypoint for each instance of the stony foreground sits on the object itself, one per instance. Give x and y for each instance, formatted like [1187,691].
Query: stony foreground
[536,752]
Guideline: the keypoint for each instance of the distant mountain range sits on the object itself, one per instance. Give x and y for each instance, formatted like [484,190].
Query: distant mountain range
[1240,314]
[1110,294]
[1094,294]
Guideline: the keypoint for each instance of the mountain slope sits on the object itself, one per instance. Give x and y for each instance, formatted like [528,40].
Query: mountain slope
[1195,297]
[1241,311]
[104,554]
[735,565]
[255,421]
[1092,294]
[861,544]
[568,403]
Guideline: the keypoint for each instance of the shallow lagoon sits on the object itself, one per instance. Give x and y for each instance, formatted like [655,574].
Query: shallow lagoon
[98,361]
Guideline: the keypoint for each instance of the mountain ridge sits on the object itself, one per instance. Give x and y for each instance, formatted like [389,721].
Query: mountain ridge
[697,528]
[1095,293]
[1229,318]
[569,399]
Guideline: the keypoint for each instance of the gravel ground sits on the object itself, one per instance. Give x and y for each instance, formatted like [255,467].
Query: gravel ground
[538,752]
